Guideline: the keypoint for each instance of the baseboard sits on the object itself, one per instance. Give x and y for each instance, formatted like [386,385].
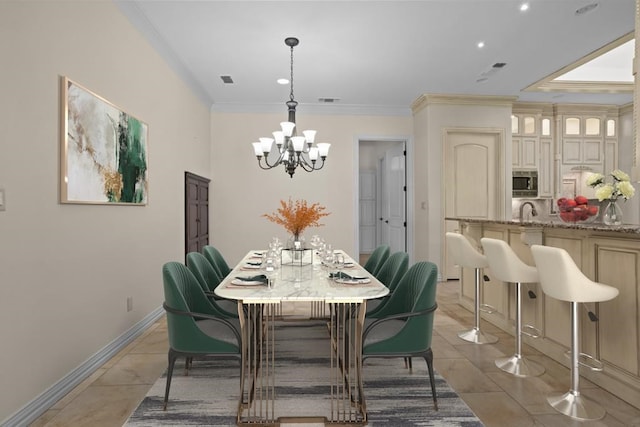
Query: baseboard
[57,391]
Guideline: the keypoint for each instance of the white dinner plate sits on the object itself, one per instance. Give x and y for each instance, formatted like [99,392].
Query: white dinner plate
[240,282]
[257,267]
[353,281]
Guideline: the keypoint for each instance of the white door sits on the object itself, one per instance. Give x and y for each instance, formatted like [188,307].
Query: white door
[394,199]
[472,177]
[367,216]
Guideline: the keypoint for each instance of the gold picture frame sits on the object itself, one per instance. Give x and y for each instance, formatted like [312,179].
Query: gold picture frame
[103,155]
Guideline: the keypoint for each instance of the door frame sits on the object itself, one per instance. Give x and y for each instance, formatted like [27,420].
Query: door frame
[409,182]
[503,172]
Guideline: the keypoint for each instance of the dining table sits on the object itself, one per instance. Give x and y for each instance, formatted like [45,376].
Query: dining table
[335,296]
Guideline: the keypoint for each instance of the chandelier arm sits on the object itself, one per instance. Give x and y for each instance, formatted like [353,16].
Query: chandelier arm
[274,164]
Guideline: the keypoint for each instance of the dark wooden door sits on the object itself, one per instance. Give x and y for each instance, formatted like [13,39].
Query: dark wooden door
[196,212]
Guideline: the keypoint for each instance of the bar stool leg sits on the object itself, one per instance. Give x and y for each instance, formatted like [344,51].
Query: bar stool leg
[572,403]
[516,364]
[475,335]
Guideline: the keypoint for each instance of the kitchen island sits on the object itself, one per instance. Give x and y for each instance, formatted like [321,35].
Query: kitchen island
[610,331]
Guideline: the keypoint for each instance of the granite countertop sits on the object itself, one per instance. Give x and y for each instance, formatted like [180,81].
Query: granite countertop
[628,228]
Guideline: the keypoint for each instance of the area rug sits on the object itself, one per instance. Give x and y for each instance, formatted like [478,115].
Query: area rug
[395,396]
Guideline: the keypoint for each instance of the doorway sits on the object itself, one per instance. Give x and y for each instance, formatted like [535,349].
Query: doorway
[383,197]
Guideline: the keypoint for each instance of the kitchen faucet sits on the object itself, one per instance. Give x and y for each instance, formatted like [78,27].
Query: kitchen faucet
[534,212]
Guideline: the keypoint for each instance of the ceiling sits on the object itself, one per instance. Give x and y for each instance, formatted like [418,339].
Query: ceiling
[377,57]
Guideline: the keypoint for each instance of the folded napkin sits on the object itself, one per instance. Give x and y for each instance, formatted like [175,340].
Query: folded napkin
[259,278]
[342,275]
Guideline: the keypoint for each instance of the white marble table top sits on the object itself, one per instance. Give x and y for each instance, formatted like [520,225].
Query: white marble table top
[294,283]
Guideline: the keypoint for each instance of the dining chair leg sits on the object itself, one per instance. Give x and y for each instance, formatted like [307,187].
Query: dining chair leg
[172,361]
[429,359]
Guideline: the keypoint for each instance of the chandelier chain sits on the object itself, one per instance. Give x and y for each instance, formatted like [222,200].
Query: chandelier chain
[291,81]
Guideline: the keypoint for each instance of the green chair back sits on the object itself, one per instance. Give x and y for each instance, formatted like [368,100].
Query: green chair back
[206,274]
[216,259]
[183,293]
[208,279]
[377,258]
[393,269]
[415,293]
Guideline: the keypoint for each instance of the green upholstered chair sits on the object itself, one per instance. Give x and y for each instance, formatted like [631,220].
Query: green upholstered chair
[208,279]
[216,259]
[377,258]
[389,274]
[194,330]
[404,327]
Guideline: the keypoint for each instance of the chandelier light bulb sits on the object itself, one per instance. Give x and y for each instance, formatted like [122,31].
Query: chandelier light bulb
[287,128]
[266,143]
[310,136]
[323,149]
[313,154]
[279,137]
[298,143]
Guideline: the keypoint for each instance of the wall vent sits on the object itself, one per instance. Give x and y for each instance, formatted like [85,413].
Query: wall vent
[227,79]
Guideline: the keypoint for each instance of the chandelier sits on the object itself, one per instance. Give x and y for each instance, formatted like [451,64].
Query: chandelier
[293,150]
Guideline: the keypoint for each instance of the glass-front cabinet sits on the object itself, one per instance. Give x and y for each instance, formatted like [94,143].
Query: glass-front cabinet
[532,143]
[588,142]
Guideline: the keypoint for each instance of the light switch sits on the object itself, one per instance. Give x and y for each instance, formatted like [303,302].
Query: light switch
[2,199]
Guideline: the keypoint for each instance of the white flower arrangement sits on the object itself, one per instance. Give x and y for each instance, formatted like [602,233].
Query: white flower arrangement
[620,186]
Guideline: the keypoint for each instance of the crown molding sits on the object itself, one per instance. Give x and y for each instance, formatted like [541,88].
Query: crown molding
[455,99]
[315,109]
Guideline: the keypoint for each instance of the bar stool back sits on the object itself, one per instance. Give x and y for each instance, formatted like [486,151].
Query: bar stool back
[465,255]
[561,279]
[508,267]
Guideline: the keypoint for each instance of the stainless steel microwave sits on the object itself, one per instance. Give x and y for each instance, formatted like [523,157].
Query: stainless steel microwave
[525,184]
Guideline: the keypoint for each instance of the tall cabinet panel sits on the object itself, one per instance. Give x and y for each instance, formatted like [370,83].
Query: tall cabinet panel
[196,212]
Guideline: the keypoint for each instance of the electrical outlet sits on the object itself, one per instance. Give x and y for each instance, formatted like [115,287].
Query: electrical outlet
[129,303]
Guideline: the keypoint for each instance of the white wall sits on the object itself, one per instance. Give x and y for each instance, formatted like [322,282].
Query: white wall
[66,270]
[429,123]
[242,192]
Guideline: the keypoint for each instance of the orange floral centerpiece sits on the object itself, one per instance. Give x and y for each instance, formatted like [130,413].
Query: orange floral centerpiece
[297,215]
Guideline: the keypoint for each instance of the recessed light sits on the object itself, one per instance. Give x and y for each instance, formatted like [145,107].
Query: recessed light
[282,81]
[480,45]
[524,7]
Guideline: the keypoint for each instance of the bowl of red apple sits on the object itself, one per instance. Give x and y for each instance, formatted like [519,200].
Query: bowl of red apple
[576,210]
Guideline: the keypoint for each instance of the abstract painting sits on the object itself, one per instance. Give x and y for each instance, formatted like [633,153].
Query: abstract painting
[103,153]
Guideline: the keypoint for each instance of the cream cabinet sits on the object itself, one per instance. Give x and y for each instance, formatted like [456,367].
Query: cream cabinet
[588,138]
[524,140]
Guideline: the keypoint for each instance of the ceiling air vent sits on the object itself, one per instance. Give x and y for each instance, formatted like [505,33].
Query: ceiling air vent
[328,100]
[227,79]
[491,71]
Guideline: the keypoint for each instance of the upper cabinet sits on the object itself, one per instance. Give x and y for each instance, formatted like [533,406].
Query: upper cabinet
[588,137]
[525,140]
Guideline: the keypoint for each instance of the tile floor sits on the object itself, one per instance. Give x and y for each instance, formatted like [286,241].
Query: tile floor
[108,396]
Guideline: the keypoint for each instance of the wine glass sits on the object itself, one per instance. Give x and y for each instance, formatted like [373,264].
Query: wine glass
[338,264]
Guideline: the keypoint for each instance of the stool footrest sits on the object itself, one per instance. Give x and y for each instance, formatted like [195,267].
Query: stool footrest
[531,331]
[486,308]
[588,361]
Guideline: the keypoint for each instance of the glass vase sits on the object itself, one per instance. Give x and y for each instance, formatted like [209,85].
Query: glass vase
[612,214]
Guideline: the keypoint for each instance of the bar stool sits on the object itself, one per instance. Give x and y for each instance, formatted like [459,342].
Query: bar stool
[561,279]
[465,255]
[506,266]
